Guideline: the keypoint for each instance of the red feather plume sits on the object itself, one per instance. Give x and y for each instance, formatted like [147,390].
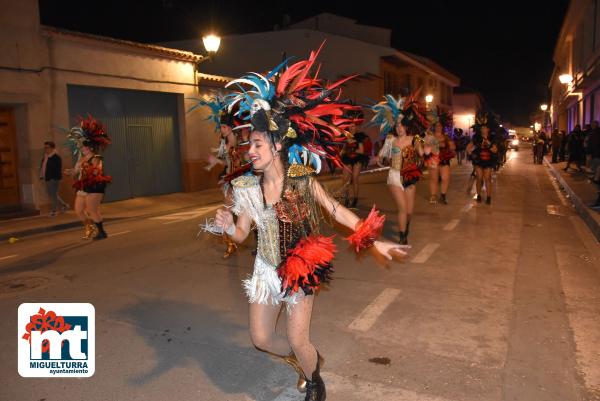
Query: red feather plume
[308,265]
[367,231]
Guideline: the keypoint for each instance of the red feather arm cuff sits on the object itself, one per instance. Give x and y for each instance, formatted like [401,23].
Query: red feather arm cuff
[308,265]
[367,231]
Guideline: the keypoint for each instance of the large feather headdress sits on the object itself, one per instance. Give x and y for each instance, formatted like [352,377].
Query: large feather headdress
[89,132]
[441,116]
[296,108]
[408,110]
[218,110]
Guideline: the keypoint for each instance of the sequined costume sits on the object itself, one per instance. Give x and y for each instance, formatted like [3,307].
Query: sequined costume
[280,227]
[90,176]
[405,164]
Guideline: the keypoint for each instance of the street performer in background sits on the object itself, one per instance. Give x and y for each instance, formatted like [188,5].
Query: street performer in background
[87,139]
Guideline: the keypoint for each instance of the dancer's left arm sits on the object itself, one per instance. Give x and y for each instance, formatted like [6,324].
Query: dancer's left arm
[346,218]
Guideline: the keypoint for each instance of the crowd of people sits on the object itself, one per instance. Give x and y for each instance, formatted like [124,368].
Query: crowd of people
[579,149]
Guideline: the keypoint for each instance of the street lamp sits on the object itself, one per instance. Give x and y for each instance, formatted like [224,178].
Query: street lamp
[211,45]
[429,99]
[544,107]
[565,78]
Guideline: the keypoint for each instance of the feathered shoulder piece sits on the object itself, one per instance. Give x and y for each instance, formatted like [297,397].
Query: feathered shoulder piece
[300,170]
[245,181]
[296,108]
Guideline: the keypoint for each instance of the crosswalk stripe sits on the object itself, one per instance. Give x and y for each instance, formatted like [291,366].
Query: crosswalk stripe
[369,315]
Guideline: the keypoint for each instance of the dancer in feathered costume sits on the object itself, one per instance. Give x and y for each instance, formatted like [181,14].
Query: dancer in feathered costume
[353,157]
[87,139]
[231,153]
[296,120]
[403,122]
[483,150]
[442,150]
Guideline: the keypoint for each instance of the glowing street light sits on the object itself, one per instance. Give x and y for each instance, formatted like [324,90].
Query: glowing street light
[211,43]
[429,98]
[544,107]
[565,78]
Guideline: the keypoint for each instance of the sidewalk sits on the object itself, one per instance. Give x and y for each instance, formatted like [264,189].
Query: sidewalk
[126,209]
[581,191]
[113,211]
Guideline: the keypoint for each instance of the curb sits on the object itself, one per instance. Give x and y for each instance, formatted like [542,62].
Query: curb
[75,224]
[580,207]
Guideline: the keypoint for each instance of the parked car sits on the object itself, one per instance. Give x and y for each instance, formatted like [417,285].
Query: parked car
[513,142]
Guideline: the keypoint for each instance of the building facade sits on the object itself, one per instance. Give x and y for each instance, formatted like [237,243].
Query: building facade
[49,77]
[577,53]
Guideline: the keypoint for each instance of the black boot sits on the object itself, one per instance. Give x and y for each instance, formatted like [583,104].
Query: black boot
[403,238]
[478,198]
[294,363]
[101,234]
[315,387]
[488,201]
[443,199]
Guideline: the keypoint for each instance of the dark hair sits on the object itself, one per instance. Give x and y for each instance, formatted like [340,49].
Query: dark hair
[226,119]
[50,144]
[92,145]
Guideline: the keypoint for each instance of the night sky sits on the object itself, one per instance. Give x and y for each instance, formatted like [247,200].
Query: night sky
[501,48]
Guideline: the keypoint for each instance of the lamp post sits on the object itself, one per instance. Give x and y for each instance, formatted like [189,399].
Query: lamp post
[428,99]
[544,108]
[565,78]
[211,45]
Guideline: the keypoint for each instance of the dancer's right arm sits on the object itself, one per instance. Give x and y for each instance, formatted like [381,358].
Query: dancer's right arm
[241,228]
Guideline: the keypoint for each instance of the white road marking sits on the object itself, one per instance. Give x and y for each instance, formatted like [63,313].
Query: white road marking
[369,315]
[8,257]
[466,208]
[119,233]
[184,216]
[451,225]
[554,210]
[425,253]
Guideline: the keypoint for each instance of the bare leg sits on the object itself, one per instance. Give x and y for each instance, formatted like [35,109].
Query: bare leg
[80,207]
[401,203]
[298,333]
[434,176]
[445,173]
[479,182]
[347,180]
[410,193]
[487,177]
[92,206]
[263,320]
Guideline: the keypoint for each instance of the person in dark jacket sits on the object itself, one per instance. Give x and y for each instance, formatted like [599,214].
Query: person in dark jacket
[556,141]
[575,147]
[51,174]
